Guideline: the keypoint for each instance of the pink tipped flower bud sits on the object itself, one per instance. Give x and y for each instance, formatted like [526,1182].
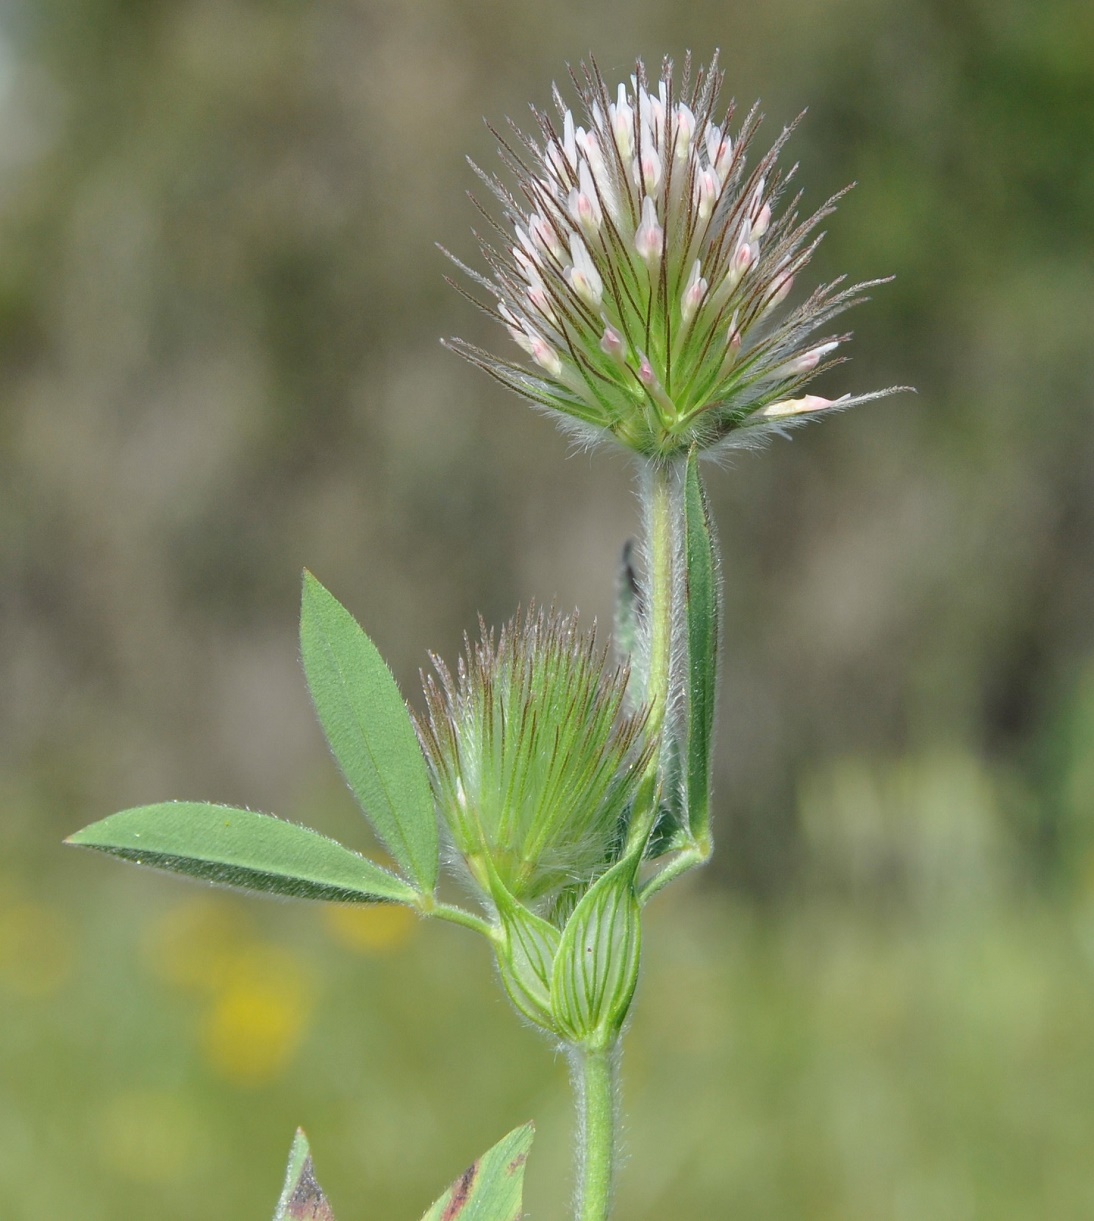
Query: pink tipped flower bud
[733,346]
[611,344]
[515,328]
[762,221]
[541,301]
[584,204]
[695,292]
[719,149]
[646,168]
[781,291]
[543,235]
[807,361]
[545,356]
[649,238]
[706,189]
[739,264]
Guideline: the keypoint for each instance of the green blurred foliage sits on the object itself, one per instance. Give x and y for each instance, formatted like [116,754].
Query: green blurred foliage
[219,312]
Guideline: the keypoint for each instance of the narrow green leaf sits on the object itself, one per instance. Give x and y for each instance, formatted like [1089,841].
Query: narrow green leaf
[672,816]
[492,1188]
[241,848]
[369,731]
[302,1198]
[703,609]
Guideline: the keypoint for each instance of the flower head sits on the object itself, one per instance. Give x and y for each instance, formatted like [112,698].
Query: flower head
[642,267]
[532,763]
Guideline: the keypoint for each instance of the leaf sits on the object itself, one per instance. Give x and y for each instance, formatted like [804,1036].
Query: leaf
[369,731]
[302,1198]
[240,848]
[671,824]
[490,1189]
[703,609]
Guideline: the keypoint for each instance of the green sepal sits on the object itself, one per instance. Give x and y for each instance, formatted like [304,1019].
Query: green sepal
[240,848]
[703,609]
[596,966]
[302,1198]
[492,1188]
[370,732]
[526,957]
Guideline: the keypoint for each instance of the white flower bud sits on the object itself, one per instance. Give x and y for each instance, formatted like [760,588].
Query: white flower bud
[684,131]
[622,121]
[646,169]
[583,277]
[584,204]
[802,406]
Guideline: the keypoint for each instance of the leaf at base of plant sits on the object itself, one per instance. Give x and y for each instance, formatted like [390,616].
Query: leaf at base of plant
[302,1198]
[492,1188]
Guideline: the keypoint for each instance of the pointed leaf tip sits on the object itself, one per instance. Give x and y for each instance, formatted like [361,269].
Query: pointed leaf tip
[302,1199]
[369,731]
[243,849]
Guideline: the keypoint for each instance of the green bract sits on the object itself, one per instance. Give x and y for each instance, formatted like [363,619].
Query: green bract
[532,762]
[644,268]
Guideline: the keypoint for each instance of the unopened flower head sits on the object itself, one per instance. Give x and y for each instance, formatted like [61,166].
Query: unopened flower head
[533,763]
[643,266]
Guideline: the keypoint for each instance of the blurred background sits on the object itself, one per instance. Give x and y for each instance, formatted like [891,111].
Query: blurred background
[220,304]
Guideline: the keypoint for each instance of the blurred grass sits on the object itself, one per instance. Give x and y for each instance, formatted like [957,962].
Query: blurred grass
[161,1042]
[219,311]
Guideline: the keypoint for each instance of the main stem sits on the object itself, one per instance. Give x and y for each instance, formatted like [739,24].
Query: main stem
[660,490]
[595,1075]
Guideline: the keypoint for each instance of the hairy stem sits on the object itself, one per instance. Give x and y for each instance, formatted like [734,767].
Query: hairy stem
[457,915]
[661,495]
[690,858]
[595,1075]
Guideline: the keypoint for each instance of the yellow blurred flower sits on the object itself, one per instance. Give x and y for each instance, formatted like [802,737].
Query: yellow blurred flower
[257,1019]
[196,944]
[373,929]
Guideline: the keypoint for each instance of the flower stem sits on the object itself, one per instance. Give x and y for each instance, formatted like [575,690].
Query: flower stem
[457,915]
[661,495]
[595,1074]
